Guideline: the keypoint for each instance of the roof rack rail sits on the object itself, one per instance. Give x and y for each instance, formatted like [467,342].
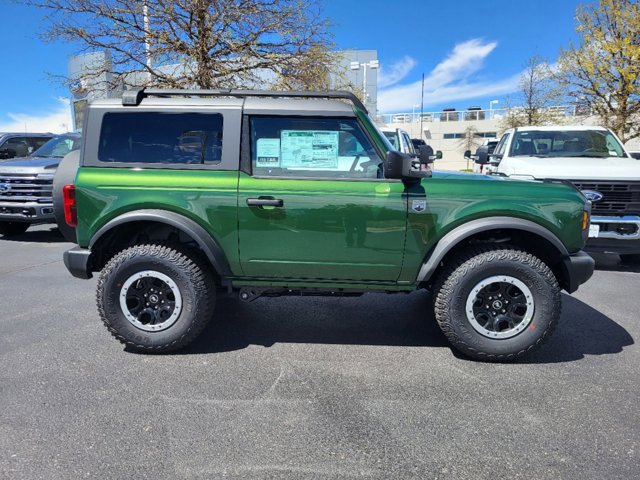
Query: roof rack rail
[133,97]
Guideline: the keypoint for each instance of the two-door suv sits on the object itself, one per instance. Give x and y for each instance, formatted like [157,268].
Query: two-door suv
[178,195]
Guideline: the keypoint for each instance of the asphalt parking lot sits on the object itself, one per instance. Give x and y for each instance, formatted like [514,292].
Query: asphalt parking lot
[309,388]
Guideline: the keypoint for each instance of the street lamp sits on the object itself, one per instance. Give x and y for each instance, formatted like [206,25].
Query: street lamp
[373,64]
[491,104]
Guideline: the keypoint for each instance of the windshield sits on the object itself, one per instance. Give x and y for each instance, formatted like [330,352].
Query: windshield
[566,143]
[393,139]
[58,146]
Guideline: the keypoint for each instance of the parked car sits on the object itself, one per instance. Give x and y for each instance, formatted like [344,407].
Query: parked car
[26,185]
[399,139]
[487,147]
[21,144]
[595,161]
[284,210]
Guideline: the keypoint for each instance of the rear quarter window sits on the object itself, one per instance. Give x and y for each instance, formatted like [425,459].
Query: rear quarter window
[161,138]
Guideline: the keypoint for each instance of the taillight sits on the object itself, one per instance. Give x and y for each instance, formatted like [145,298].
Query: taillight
[69,202]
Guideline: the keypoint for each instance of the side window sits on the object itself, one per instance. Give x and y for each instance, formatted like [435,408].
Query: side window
[15,147]
[409,144]
[36,142]
[312,147]
[167,138]
[502,145]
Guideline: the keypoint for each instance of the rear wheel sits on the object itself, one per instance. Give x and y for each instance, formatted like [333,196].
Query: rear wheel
[496,303]
[13,228]
[155,298]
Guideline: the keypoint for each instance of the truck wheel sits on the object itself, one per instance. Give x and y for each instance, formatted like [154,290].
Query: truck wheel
[497,303]
[13,228]
[155,298]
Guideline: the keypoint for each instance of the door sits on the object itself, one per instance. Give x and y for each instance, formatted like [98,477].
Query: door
[314,204]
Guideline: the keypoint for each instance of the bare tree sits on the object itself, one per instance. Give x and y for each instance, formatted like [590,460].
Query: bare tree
[196,43]
[603,71]
[537,93]
[470,141]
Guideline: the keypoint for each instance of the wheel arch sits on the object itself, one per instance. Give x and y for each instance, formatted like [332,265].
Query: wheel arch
[126,224]
[526,234]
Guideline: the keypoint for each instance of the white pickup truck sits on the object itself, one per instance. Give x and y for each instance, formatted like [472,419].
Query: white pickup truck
[595,161]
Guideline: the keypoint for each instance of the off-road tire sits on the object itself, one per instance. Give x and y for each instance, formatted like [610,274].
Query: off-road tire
[193,279]
[13,228]
[454,286]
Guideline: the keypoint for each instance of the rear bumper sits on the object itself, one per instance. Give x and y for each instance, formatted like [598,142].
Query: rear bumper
[77,262]
[578,268]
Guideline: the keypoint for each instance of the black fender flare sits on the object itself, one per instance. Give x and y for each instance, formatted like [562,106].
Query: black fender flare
[459,234]
[207,244]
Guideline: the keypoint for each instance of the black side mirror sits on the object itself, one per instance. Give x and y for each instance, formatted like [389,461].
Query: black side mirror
[425,154]
[438,154]
[467,154]
[482,155]
[401,166]
[393,165]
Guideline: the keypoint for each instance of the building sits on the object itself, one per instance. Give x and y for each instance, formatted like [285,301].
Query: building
[90,78]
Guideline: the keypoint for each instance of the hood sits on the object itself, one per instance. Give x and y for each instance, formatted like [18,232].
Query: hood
[29,164]
[573,168]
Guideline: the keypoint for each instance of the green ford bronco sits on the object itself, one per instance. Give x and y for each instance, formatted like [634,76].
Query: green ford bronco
[177,196]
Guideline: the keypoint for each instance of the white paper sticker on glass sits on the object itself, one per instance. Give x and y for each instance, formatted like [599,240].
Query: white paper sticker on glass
[309,149]
[268,154]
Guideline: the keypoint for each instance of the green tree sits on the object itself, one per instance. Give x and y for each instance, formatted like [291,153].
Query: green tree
[603,70]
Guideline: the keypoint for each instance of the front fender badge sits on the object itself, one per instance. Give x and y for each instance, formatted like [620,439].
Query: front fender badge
[418,206]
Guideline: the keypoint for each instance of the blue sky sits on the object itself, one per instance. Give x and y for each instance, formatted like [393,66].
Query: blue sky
[470,51]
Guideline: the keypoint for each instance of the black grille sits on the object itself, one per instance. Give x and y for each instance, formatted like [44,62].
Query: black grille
[27,187]
[619,198]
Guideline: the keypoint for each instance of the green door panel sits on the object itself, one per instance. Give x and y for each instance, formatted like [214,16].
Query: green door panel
[326,229]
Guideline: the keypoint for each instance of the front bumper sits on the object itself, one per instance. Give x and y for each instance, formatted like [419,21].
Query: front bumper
[77,262]
[31,212]
[617,235]
[578,268]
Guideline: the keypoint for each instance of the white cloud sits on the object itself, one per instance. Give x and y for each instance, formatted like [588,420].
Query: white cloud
[56,119]
[449,81]
[396,73]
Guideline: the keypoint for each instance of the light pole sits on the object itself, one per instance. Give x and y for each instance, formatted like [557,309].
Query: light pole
[413,112]
[491,104]
[373,64]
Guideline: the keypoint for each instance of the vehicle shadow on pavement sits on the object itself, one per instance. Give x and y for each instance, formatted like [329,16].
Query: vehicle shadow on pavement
[612,263]
[377,319]
[373,319]
[582,331]
[49,235]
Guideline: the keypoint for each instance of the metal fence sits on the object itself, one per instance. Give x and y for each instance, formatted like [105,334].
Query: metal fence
[451,115]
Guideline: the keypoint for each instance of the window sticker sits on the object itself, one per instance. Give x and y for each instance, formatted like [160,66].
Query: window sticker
[268,154]
[309,149]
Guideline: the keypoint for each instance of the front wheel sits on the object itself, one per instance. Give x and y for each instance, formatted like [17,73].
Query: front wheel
[13,228]
[155,298]
[496,303]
